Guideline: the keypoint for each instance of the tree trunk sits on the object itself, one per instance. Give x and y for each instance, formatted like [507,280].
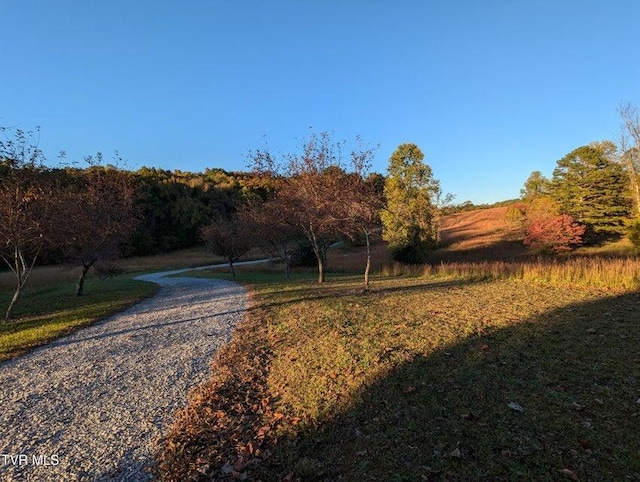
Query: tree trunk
[233,271]
[368,266]
[83,274]
[21,270]
[15,298]
[320,269]
[636,191]
[320,256]
[286,263]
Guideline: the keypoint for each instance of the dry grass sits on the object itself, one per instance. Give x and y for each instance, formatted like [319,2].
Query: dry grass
[413,382]
[418,379]
[481,235]
[604,273]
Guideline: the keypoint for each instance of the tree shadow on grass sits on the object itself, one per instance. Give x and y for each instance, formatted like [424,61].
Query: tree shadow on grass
[555,397]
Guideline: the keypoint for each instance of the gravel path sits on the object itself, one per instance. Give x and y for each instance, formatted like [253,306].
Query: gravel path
[92,405]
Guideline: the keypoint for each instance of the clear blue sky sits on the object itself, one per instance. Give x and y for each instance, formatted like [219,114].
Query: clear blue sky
[490,90]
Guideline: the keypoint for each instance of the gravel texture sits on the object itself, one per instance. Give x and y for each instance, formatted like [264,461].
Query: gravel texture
[91,406]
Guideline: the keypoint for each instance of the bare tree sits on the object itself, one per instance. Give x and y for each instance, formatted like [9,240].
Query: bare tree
[362,202]
[26,201]
[630,149]
[363,215]
[309,191]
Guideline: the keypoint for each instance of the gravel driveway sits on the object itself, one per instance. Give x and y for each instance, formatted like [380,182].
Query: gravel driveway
[92,405]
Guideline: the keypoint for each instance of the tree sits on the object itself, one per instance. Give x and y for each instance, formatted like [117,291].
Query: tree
[591,187]
[362,210]
[310,191]
[27,205]
[410,218]
[229,239]
[630,149]
[101,214]
[536,185]
[274,227]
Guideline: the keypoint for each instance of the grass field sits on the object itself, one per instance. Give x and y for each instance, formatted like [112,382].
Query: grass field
[488,364]
[428,377]
[48,312]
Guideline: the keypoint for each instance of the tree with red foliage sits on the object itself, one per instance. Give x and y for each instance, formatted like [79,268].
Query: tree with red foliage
[229,238]
[555,234]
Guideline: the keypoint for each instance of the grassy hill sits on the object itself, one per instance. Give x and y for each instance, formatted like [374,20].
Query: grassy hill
[483,234]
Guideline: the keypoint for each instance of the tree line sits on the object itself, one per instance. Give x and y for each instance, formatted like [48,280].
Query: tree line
[91,212]
[288,204]
[294,205]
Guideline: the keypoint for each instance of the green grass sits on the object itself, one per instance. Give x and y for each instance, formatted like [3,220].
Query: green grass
[413,382]
[48,312]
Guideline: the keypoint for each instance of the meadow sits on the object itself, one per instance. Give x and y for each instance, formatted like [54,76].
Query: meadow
[483,370]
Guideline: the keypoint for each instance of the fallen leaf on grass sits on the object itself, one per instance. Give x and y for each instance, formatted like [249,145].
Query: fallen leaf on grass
[516,407]
[577,407]
[569,473]
[455,453]
[584,443]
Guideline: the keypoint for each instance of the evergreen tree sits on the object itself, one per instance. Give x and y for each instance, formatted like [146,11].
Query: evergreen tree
[536,185]
[410,217]
[592,188]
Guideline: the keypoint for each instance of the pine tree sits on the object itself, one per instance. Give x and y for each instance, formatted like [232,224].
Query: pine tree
[592,188]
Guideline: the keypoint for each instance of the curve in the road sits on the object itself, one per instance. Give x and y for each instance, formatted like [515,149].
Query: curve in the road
[92,405]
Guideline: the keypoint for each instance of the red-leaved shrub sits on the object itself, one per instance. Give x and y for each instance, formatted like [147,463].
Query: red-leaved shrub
[554,234]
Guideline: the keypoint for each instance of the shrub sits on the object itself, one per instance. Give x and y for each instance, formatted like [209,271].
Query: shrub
[554,234]
[633,232]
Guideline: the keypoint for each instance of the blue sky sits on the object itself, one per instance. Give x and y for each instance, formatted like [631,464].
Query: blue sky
[489,90]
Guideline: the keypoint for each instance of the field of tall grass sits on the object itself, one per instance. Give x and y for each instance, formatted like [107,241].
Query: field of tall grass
[593,272]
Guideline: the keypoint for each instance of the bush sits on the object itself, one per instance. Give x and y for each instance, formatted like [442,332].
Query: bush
[633,232]
[411,253]
[554,234]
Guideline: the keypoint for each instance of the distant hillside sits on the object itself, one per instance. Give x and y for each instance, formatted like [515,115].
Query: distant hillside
[483,234]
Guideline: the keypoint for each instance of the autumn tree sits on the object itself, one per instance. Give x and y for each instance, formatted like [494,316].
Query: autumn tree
[410,218]
[228,238]
[590,186]
[313,182]
[273,227]
[630,160]
[100,214]
[27,200]
[362,202]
